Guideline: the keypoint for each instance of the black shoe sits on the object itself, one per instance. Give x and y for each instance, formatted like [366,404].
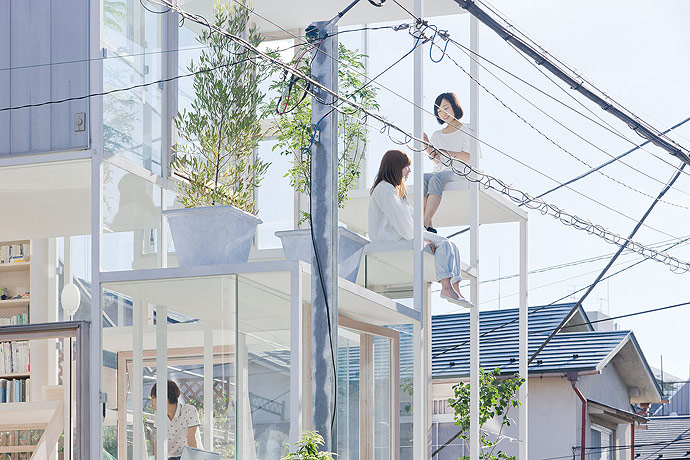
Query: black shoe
[431,229]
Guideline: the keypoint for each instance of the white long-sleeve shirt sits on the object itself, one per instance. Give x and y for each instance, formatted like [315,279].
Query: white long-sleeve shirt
[390,217]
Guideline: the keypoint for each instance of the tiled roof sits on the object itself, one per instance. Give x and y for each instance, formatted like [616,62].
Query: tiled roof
[666,438]
[568,351]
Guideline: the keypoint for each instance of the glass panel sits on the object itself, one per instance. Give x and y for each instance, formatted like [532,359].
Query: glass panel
[131,221]
[440,434]
[406,390]
[276,199]
[382,398]
[132,119]
[348,394]
[198,337]
[38,398]
[263,365]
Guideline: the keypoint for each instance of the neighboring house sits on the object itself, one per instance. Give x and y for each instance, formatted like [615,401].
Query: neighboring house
[608,368]
[678,401]
[666,438]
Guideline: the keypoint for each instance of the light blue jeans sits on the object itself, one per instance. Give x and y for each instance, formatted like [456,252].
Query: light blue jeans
[435,182]
[446,260]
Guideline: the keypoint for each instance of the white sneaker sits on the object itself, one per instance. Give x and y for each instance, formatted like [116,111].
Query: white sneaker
[461,301]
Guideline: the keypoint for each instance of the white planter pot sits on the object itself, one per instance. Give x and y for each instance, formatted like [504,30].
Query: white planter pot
[211,235]
[297,245]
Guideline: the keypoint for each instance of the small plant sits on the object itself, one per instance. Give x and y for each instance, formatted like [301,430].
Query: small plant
[496,398]
[294,126]
[308,448]
[223,126]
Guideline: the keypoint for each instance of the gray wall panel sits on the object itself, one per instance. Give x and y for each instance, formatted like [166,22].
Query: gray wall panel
[69,50]
[46,38]
[4,76]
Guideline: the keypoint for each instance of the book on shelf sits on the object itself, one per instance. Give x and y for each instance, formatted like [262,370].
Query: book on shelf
[20,318]
[14,357]
[15,390]
[13,253]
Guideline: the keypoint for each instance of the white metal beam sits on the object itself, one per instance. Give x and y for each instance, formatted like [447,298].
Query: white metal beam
[474,247]
[523,421]
[422,367]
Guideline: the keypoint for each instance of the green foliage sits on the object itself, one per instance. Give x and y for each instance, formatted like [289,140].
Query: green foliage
[295,128]
[223,127]
[308,448]
[114,15]
[496,398]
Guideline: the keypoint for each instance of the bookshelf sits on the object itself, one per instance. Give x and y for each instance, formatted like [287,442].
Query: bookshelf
[15,308]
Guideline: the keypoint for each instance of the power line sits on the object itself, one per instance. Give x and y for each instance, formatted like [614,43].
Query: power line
[613,259]
[516,195]
[564,126]
[419,21]
[548,138]
[578,83]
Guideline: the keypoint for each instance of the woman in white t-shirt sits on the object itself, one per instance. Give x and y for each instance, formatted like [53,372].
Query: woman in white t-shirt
[453,140]
[183,423]
[390,219]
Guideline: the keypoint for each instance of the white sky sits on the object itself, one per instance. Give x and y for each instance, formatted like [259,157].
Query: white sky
[636,51]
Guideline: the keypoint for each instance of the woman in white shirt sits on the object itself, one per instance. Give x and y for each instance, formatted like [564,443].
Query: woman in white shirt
[453,141]
[183,422]
[390,219]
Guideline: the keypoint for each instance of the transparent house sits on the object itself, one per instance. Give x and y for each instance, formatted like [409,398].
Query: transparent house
[83,183]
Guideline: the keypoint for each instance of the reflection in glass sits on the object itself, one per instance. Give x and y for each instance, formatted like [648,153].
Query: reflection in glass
[348,394]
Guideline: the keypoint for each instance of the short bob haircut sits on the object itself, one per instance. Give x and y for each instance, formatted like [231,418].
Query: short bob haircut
[173,392]
[454,103]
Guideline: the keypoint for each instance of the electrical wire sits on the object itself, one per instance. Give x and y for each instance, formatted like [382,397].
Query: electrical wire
[579,83]
[419,21]
[124,89]
[466,50]
[543,134]
[666,188]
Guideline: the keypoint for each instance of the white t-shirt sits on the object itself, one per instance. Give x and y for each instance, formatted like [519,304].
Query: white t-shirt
[186,416]
[457,141]
[390,217]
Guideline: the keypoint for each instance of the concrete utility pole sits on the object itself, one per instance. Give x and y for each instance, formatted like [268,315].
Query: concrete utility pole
[324,221]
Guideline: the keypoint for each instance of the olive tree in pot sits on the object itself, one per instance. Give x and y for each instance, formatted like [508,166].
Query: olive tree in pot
[294,133]
[215,153]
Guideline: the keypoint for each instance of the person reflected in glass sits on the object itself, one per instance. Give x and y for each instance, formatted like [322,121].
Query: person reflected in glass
[183,423]
[390,219]
[447,144]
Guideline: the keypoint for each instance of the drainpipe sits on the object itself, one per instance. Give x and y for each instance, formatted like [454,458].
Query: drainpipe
[632,441]
[643,412]
[573,377]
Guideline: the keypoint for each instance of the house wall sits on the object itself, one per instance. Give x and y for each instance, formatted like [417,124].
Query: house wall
[555,414]
[43,57]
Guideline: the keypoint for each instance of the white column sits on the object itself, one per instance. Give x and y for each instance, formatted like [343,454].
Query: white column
[162,382]
[523,421]
[296,353]
[67,359]
[474,248]
[423,334]
[208,386]
[137,378]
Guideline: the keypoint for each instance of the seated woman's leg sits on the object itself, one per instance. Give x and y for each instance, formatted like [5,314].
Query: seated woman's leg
[434,190]
[427,177]
[432,194]
[448,271]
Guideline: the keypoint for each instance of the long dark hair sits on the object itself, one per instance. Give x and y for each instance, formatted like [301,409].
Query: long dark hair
[454,103]
[390,170]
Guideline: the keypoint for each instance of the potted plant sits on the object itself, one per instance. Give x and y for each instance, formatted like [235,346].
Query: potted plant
[294,131]
[215,154]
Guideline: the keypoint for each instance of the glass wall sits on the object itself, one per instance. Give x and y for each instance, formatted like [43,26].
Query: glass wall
[132,119]
[131,210]
[188,326]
